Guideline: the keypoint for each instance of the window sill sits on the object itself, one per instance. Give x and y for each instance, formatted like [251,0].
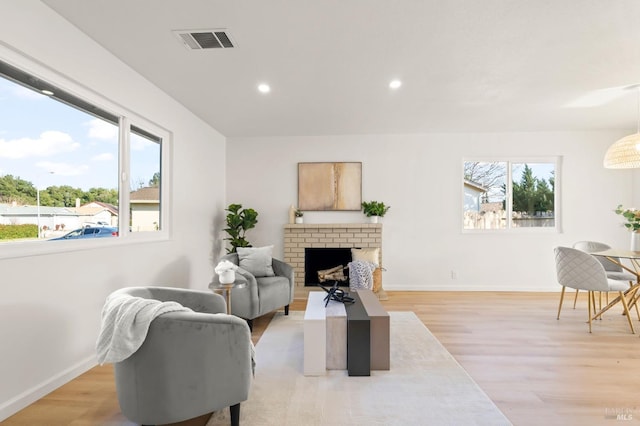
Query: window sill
[13,250]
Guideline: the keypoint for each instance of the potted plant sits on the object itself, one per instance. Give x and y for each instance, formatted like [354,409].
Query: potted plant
[239,221]
[226,271]
[374,209]
[299,214]
[632,216]
[633,224]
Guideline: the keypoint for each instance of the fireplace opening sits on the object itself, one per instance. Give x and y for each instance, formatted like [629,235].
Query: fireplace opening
[319,259]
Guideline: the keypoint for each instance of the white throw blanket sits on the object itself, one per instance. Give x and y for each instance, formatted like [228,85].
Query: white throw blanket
[125,323]
[361,274]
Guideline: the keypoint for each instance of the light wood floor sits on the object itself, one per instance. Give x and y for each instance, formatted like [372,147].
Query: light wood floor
[537,370]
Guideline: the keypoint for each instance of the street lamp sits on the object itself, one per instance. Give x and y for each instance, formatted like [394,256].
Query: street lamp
[38,204]
[38,207]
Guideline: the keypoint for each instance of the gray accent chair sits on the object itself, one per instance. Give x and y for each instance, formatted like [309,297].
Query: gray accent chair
[582,271]
[190,364]
[263,294]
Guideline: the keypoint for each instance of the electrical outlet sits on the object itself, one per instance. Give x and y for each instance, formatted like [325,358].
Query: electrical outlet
[454,275]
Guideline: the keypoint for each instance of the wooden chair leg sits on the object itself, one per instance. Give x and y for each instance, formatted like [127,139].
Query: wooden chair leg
[600,302]
[561,298]
[575,299]
[234,410]
[591,302]
[634,299]
[626,311]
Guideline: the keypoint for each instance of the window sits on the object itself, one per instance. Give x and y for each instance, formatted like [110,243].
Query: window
[502,195]
[145,155]
[66,166]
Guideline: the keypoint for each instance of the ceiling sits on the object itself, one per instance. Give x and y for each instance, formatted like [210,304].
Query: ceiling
[465,65]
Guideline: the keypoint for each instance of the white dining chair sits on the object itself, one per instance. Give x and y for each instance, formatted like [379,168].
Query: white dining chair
[613,270]
[582,271]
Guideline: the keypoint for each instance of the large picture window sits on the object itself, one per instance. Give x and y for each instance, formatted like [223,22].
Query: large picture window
[68,165]
[513,194]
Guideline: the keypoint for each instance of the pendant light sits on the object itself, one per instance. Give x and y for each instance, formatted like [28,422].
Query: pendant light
[625,153]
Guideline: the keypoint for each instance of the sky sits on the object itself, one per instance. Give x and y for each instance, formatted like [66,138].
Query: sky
[51,144]
[539,170]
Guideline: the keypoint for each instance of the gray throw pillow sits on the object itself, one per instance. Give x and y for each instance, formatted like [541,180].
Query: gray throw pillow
[256,260]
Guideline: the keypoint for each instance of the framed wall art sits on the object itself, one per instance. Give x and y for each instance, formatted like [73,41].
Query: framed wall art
[329,186]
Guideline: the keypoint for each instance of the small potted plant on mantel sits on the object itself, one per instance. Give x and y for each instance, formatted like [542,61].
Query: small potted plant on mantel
[374,210]
[299,214]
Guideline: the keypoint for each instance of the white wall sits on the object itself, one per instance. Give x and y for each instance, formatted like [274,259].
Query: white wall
[50,305]
[420,177]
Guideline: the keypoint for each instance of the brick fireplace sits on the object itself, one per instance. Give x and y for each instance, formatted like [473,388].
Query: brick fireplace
[298,237]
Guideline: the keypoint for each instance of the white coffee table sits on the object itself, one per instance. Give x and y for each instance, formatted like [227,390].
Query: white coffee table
[326,331]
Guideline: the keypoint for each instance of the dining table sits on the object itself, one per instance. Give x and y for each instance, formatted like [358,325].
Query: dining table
[632,265]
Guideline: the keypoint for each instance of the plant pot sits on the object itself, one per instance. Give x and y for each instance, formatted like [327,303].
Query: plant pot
[635,241]
[299,220]
[374,219]
[227,277]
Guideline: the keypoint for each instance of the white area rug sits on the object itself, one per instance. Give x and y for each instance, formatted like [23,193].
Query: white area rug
[425,386]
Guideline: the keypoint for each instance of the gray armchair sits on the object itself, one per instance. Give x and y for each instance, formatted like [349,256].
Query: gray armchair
[190,364]
[263,294]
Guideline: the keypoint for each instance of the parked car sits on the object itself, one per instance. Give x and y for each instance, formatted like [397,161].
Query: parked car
[91,232]
[94,224]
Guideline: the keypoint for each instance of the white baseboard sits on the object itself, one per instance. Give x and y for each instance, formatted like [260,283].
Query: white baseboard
[467,287]
[28,397]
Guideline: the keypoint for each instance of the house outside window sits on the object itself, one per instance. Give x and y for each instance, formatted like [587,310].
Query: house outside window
[511,194]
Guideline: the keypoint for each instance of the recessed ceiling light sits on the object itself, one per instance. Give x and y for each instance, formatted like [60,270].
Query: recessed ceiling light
[46,92]
[395,84]
[264,88]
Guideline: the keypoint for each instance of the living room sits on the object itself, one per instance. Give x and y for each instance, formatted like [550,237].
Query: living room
[52,301]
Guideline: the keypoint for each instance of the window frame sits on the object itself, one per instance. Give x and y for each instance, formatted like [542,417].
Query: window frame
[126,120]
[510,161]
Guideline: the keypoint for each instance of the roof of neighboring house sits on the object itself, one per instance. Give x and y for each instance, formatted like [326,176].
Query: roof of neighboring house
[475,185]
[146,194]
[113,209]
[8,210]
[90,211]
[495,206]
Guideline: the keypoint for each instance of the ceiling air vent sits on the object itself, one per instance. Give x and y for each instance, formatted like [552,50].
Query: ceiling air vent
[205,39]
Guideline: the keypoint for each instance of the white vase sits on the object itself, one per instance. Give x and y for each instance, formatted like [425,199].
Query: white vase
[299,220]
[374,219]
[292,214]
[227,277]
[635,241]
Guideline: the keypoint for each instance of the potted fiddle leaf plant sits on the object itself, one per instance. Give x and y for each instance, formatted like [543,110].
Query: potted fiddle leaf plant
[374,210]
[239,221]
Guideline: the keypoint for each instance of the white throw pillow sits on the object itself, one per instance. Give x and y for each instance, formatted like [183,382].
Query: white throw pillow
[366,255]
[256,260]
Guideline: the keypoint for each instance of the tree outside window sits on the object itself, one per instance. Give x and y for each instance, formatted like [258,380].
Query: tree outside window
[506,195]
